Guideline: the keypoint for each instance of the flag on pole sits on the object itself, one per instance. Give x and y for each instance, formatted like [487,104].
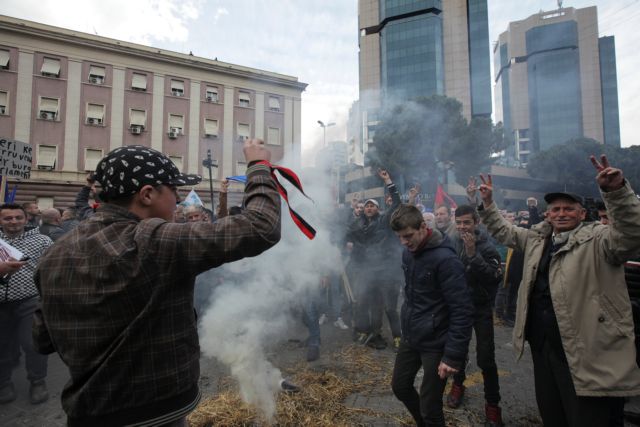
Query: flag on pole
[238,178]
[441,196]
[192,199]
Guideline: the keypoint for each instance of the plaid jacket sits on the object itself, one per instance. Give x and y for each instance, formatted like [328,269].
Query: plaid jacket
[20,285]
[117,305]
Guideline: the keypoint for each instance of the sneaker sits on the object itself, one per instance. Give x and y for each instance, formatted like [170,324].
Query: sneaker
[396,344]
[361,338]
[340,324]
[288,387]
[454,399]
[494,416]
[323,319]
[7,393]
[38,392]
[313,353]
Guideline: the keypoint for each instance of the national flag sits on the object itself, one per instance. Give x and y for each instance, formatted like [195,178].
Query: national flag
[192,199]
[441,196]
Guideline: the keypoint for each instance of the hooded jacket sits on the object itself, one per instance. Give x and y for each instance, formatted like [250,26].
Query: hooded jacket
[437,314]
[374,244]
[588,293]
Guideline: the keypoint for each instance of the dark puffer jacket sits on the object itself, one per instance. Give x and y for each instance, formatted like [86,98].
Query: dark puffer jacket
[374,244]
[483,271]
[437,313]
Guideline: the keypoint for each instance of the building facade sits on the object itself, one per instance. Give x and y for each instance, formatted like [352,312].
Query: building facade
[555,81]
[75,96]
[420,48]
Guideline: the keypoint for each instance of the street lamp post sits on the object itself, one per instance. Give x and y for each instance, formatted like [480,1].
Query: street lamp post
[324,131]
[209,163]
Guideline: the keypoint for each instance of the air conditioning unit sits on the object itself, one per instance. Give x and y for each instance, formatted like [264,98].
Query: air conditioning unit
[94,80]
[176,92]
[173,135]
[3,110]
[136,129]
[209,98]
[47,115]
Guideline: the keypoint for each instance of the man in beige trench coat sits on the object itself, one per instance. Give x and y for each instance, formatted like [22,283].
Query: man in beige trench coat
[573,305]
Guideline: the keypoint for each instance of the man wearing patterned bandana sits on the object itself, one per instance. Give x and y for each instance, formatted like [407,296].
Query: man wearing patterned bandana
[117,291]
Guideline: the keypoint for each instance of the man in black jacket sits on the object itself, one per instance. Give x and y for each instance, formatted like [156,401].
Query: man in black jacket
[375,258]
[483,274]
[437,316]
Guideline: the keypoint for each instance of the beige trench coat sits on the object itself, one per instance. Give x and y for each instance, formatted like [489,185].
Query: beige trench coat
[588,292]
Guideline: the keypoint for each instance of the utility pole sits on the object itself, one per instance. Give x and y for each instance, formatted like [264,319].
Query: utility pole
[209,164]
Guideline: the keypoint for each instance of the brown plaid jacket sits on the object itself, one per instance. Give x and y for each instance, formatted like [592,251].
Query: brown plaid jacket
[117,305]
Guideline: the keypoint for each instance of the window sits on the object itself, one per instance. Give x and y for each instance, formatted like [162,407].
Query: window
[244,131]
[210,128]
[95,114]
[177,160]
[44,202]
[241,168]
[273,136]
[91,159]
[48,109]
[176,123]
[138,118]
[96,74]
[4,102]
[177,88]
[139,82]
[212,94]
[274,103]
[4,59]
[50,67]
[47,156]
[244,99]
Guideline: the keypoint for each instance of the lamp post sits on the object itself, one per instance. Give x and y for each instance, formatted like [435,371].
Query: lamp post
[324,131]
[209,163]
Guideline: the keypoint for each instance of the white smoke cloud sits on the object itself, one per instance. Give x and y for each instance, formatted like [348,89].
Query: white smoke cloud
[251,308]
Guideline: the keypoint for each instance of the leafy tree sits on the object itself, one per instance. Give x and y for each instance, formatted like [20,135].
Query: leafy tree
[569,164]
[416,138]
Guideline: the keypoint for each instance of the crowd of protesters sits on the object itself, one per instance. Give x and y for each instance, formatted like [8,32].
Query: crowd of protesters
[553,277]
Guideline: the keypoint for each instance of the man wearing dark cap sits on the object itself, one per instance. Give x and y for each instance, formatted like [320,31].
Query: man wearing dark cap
[573,306]
[117,291]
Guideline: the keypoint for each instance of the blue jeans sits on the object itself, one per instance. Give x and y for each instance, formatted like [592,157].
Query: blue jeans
[311,315]
[335,300]
[16,318]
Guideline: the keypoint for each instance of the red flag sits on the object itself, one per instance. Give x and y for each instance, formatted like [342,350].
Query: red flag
[441,196]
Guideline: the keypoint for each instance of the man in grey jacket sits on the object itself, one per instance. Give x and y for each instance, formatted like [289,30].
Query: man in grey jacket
[573,306]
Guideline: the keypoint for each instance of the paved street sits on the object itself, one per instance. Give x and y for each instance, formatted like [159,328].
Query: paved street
[518,399]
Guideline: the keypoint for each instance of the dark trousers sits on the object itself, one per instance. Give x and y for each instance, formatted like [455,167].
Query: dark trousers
[374,297]
[426,407]
[16,319]
[558,403]
[485,355]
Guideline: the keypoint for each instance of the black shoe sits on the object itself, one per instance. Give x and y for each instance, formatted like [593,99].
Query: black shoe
[313,353]
[38,392]
[288,387]
[7,393]
[376,341]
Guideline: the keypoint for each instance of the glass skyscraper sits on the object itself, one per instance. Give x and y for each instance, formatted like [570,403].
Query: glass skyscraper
[556,81]
[609,85]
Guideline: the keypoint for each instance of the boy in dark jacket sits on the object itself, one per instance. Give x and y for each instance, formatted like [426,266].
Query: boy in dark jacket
[483,274]
[436,316]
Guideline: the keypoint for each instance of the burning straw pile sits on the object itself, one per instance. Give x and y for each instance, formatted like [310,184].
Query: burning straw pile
[319,403]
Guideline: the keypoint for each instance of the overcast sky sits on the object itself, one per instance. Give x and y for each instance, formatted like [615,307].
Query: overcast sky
[313,40]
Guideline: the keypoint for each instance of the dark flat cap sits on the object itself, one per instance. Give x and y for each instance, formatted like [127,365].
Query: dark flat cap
[550,197]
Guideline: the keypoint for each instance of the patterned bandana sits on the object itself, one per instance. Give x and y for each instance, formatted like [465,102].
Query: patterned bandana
[127,169]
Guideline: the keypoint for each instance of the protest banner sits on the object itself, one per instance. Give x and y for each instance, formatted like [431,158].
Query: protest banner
[15,159]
